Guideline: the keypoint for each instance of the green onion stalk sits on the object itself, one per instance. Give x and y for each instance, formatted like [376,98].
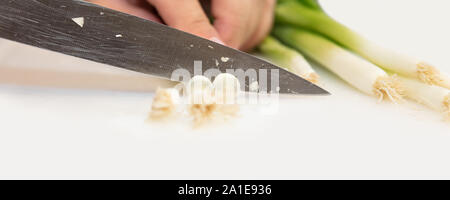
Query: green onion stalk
[306,14]
[435,97]
[288,58]
[355,70]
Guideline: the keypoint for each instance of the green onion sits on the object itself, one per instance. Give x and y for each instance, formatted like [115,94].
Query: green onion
[199,90]
[314,4]
[301,15]
[358,72]
[227,89]
[435,97]
[287,58]
[201,105]
[208,100]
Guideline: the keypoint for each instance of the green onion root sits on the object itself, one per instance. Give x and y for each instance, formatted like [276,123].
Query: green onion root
[164,104]
[388,87]
[202,113]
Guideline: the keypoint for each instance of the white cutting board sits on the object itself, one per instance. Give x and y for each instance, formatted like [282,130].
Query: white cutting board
[63,117]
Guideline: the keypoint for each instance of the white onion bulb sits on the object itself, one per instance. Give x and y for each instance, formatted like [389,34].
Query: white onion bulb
[199,90]
[226,89]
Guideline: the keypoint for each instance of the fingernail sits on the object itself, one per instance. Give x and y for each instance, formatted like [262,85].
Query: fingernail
[217,40]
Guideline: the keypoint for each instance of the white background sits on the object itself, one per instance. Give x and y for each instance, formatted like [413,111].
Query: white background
[62,117]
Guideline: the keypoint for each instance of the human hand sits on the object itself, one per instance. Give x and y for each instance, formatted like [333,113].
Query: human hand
[240,24]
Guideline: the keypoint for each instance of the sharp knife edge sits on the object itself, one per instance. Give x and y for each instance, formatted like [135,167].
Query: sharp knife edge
[129,42]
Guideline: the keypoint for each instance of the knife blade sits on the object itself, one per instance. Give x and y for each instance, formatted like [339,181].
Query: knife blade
[92,32]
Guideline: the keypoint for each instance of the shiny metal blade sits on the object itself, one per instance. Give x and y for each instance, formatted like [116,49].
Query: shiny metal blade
[88,31]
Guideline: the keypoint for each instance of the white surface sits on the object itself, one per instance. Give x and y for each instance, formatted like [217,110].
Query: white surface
[99,131]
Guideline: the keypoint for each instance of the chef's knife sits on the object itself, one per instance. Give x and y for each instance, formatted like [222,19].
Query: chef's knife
[95,33]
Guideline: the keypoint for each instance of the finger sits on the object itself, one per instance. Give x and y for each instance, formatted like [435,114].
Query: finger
[233,21]
[139,8]
[264,27]
[186,15]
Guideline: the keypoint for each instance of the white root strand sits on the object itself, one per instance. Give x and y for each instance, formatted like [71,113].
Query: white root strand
[165,103]
[388,87]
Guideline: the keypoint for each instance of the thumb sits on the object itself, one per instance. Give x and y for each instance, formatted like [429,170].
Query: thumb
[188,16]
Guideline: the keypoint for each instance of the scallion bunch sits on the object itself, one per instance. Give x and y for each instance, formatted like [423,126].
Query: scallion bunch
[303,25]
